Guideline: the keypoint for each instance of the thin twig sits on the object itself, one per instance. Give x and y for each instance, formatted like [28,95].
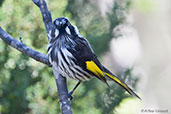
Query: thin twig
[20,39]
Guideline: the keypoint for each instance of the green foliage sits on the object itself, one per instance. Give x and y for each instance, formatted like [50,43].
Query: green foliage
[27,86]
[1,2]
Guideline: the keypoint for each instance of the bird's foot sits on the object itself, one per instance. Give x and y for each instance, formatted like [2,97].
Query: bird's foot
[70,95]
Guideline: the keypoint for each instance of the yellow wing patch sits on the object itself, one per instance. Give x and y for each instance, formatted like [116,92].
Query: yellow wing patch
[118,81]
[91,66]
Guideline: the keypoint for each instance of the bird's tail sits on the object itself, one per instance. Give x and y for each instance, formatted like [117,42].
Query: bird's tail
[121,83]
[102,73]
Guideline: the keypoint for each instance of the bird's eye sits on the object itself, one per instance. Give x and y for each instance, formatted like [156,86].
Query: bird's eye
[57,22]
[64,21]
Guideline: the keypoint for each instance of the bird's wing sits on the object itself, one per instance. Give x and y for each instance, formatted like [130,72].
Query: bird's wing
[86,59]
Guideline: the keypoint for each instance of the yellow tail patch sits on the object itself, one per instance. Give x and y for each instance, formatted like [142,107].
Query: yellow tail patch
[117,80]
[130,91]
[91,66]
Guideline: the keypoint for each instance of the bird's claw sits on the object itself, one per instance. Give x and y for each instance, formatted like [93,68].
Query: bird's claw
[70,95]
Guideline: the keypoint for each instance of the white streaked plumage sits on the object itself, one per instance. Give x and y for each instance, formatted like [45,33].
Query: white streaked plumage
[67,54]
[56,32]
[77,31]
[67,67]
[49,34]
[60,61]
[50,59]
[68,30]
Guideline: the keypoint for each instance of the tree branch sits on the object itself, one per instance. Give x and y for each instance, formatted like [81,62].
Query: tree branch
[60,80]
[47,18]
[8,39]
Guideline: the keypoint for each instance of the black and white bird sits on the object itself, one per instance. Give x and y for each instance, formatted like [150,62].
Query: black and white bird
[72,56]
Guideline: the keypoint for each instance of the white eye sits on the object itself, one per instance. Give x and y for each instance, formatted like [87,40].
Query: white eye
[57,22]
[63,21]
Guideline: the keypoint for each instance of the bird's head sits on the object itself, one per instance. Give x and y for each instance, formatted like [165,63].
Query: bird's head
[61,23]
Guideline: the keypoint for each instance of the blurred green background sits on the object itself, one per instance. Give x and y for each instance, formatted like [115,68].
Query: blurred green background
[27,86]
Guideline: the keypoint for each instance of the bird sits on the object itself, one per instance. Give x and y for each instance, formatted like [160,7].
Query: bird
[71,55]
